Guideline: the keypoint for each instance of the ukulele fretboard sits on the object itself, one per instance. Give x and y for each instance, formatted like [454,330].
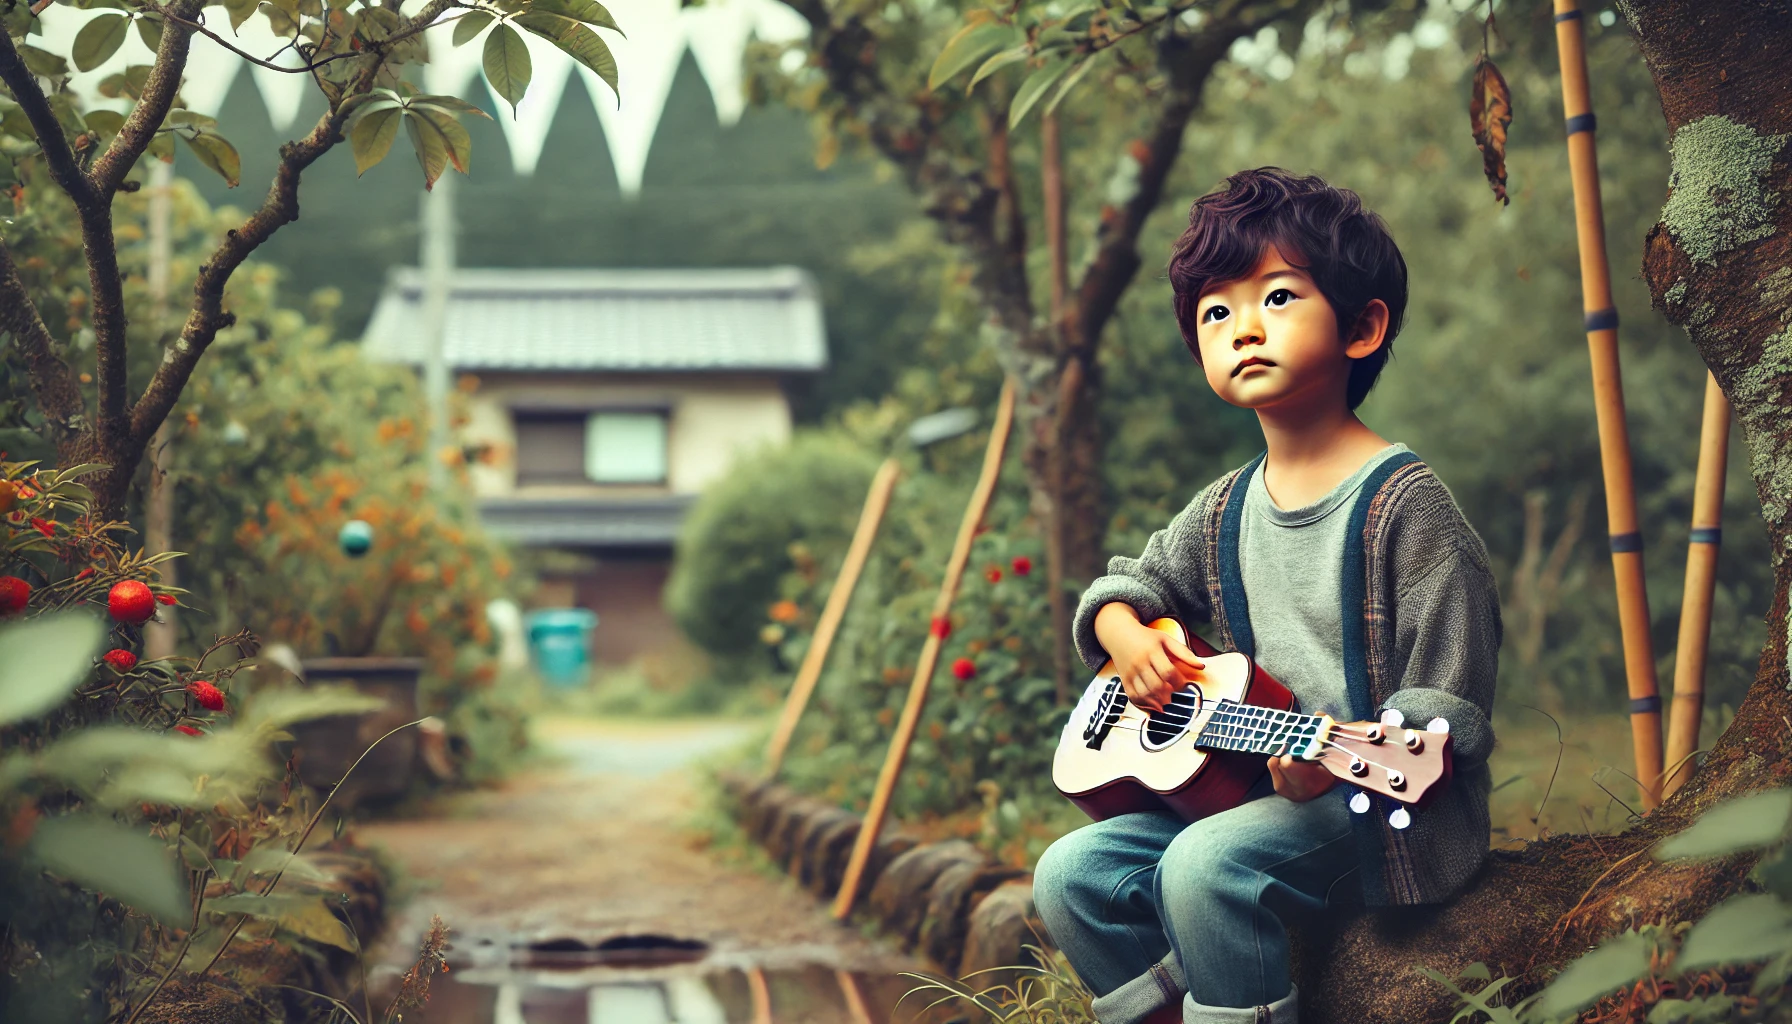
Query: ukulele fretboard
[1257,730]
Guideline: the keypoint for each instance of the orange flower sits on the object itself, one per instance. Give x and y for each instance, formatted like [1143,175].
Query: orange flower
[785,611]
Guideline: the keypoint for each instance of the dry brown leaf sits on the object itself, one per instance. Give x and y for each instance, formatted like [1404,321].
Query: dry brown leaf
[1489,115]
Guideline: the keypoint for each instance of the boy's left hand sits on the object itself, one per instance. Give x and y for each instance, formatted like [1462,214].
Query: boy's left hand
[1299,780]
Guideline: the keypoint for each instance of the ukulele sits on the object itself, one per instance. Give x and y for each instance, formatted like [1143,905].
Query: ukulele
[1210,744]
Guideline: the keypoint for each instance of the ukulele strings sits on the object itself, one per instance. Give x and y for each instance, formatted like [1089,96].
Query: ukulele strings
[1327,743]
[1231,717]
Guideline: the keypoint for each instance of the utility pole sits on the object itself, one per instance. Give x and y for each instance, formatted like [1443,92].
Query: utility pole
[438,273]
[160,634]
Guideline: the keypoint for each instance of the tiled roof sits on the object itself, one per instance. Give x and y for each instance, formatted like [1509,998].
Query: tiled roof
[760,319]
[599,522]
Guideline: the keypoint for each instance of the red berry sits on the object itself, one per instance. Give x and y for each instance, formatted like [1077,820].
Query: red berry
[993,574]
[15,593]
[208,696]
[165,598]
[130,601]
[941,627]
[121,660]
[189,730]
[1021,565]
[964,669]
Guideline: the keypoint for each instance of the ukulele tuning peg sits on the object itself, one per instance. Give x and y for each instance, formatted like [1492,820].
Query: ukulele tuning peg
[1439,726]
[1400,818]
[1392,718]
[1360,802]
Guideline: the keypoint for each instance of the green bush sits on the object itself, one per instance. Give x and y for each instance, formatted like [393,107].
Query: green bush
[737,541]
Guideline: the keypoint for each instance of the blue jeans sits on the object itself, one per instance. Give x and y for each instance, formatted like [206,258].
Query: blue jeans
[1144,905]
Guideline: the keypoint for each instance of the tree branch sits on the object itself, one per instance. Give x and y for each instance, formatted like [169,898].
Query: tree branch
[52,381]
[146,118]
[64,168]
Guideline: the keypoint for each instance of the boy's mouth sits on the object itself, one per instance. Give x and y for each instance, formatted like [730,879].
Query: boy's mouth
[1252,361]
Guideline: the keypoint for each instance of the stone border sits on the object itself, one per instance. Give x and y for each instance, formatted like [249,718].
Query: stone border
[947,901]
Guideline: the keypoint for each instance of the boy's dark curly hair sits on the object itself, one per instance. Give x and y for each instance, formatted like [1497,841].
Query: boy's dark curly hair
[1324,230]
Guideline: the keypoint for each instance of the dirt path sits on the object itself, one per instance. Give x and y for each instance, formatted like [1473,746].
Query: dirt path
[598,845]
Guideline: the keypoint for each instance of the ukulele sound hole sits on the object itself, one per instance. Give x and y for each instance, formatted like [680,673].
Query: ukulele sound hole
[1165,727]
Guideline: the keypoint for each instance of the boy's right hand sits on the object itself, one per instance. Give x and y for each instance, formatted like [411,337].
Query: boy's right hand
[1152,664]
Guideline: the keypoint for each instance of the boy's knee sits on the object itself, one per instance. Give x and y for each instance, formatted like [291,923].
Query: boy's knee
[1196,858]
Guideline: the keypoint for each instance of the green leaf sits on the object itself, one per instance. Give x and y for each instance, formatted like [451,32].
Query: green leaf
[14,122]
[470,25]
[431,148]
[587,11]
[277,708]
[997,63]
[149,29]
[967,46]
[42,659]
[181,115]
[507,67]
[240,11]
[1775,872]
[306,916]
[578,41]
[1740,930]
[99,39]
[1033,88]
[1746,823]
[452,104]
[456,142]
[214,152]
[371,137]
[106,856]
[1618,961]
[1069,83]
[43,63]
[106,122]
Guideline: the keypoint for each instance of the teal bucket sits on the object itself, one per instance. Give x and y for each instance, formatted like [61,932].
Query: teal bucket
[560,644]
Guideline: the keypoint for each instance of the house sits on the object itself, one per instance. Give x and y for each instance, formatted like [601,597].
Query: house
[618,395]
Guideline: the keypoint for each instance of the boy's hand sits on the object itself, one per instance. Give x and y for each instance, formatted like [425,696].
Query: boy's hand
[1299,780]
[1153,664]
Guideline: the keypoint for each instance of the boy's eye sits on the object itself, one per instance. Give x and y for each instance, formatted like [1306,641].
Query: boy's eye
[1279,298]
[1215,313]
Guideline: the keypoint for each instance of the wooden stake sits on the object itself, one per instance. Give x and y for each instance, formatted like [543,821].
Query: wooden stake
[930,653]
[1701,580]
[761,995]
[1070,376]
[806,677]
[1608,403]
[855,999]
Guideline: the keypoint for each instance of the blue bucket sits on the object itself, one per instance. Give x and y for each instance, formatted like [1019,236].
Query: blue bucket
[560,643]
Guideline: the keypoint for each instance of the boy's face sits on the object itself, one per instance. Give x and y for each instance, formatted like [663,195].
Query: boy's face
[1269,340]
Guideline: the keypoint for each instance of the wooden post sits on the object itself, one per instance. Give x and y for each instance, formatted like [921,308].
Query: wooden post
[930,654]
[806,677]
[856,1007]
[761,994]
[1701,579]
[1608,403]
[160,634]
[1070,376]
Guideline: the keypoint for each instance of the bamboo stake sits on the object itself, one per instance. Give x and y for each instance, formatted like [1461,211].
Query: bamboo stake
[930,653]
[1052,185]
[876,502]
[1608,402]
[1701,579]
[761,995]
[855,999]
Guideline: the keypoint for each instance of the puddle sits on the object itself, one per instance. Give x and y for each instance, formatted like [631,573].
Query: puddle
[687,994]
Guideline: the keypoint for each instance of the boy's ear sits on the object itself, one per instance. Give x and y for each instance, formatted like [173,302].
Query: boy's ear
[1369,331]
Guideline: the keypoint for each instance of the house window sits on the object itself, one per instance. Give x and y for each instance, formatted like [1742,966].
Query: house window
[625,447]
[605,447]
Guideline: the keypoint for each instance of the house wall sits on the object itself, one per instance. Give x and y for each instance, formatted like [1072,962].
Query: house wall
[712,419]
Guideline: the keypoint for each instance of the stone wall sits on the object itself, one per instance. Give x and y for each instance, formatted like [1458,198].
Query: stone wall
[947,901]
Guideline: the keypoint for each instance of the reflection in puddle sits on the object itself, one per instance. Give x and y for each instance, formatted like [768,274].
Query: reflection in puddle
[701,993]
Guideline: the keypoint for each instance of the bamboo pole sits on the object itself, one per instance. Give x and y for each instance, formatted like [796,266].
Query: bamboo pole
[1608,403]
[930,653]
[856,1007]
[1070,376]
[1701,580]
[876,502]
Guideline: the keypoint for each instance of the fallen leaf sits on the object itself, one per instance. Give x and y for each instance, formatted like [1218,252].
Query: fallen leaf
[1489,115]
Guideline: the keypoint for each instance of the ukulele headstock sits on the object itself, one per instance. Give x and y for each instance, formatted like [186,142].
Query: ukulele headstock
[1405,765]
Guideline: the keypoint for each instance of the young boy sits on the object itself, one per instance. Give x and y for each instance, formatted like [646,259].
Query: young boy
[1336,560]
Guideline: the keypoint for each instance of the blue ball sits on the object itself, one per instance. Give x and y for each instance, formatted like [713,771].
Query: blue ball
[356,537]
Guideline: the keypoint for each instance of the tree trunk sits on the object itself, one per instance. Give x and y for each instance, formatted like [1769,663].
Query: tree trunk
[1719,264]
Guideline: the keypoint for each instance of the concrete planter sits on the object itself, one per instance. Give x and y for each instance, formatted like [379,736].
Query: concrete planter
[327,747]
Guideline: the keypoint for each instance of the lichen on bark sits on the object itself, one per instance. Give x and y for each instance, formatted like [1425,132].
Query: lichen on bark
[1718,197]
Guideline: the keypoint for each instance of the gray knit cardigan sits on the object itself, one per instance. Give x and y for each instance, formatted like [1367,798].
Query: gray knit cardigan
[1421,616]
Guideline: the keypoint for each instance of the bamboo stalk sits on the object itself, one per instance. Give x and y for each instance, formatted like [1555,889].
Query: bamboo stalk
[1701,580]
[930,653]
[876,502]
[1608,403]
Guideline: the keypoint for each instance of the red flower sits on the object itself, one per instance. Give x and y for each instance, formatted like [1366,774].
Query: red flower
[26,492]
[189,730]
[130,601]
[1021,565]
[44,526]
[15,593]
[964,669]
[209,697]
[121,660]
[993,574]
[165,598]
[940,627]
